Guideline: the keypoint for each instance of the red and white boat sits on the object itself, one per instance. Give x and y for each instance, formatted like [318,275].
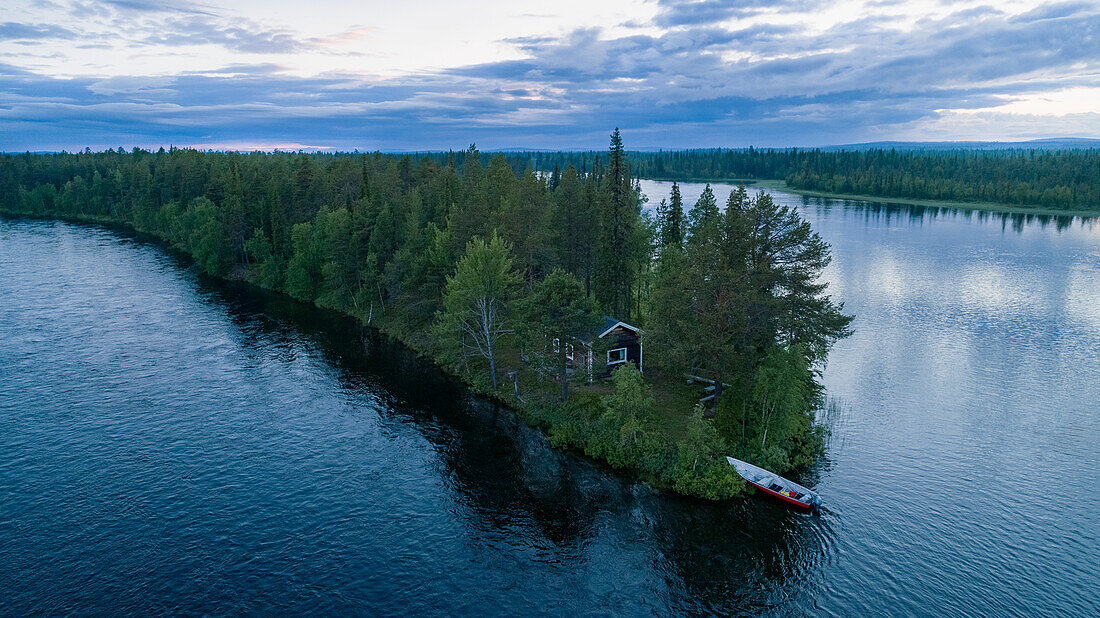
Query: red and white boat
[775,485]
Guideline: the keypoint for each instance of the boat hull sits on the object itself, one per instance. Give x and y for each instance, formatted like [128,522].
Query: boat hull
[764,481]
[791,501]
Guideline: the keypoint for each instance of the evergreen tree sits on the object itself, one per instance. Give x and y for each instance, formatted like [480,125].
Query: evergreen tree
[557,319]
[786,261]
[623,419]
[573,226]
[671,219]
[304,270]
[615,276]
[524,224]
[701,468]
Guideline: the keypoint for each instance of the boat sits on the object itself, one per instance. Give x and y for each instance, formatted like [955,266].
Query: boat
[775,485]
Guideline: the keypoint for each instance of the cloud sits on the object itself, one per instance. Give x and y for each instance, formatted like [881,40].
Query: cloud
[1054,11]
[706,12]
[129,23]
[247,37]
[698,75]
[348,36]
[949,63]
[1056,103]
[14,31]
[154,6]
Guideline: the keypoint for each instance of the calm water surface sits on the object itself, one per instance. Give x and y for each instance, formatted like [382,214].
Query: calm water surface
[174,444]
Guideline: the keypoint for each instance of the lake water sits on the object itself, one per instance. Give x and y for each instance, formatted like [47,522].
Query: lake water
[172,444]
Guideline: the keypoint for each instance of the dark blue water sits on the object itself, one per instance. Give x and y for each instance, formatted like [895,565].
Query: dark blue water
[172,444]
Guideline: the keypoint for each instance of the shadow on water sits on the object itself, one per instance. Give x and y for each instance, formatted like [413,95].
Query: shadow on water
[706,557]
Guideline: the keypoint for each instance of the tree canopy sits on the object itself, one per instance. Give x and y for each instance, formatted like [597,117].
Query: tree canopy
[488,260]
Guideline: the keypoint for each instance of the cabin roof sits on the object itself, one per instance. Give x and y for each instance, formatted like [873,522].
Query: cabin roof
[610,324]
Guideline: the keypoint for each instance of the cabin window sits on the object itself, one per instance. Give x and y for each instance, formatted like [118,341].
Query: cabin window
[618,355]
[568,348]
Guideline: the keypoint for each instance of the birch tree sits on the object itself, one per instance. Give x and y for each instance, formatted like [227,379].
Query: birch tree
[782,391]
[476,301]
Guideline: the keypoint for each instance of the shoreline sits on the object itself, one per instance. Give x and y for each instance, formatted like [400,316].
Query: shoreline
[991,207]
[395,326]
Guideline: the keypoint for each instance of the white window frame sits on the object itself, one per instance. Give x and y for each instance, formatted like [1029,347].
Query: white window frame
[568,348]
[619,361]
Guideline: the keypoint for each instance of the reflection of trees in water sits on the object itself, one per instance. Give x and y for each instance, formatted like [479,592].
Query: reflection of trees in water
[889,212]
[498,466]
[750,554]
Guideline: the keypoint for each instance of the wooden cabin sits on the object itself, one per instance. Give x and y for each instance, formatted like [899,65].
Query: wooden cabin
[623,343]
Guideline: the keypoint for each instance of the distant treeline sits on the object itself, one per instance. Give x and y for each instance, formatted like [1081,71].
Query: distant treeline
[485,264]
[1061,179]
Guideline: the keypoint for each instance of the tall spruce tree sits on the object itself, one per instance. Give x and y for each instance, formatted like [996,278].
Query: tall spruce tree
[615,276]
[671,219]
[574,226]
[667,329]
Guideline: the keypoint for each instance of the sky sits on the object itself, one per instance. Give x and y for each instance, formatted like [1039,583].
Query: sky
[417,75]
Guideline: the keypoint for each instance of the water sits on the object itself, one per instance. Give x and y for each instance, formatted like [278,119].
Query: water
[170,443]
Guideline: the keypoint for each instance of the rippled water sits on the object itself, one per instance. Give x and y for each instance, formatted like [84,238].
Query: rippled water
[170,443]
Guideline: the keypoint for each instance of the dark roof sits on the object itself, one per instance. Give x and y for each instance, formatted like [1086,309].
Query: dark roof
[608,322]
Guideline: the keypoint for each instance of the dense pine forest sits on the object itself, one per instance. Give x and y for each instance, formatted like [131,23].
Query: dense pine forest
[501,274]
[1057,179]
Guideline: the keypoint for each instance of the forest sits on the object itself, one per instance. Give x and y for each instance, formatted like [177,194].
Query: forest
[1056,179]
[497,271]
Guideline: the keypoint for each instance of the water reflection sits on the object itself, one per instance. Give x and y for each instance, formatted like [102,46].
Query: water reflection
[169,443]
[565,508]
[879,213]
[888,213]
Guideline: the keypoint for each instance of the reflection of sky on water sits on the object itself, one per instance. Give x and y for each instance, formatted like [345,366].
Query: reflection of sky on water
[350,476]
[970,385]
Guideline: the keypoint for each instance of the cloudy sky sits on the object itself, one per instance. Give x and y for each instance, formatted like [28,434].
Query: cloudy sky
[428,74]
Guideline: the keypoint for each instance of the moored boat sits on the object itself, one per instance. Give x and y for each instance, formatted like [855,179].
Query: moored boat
[775,485]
